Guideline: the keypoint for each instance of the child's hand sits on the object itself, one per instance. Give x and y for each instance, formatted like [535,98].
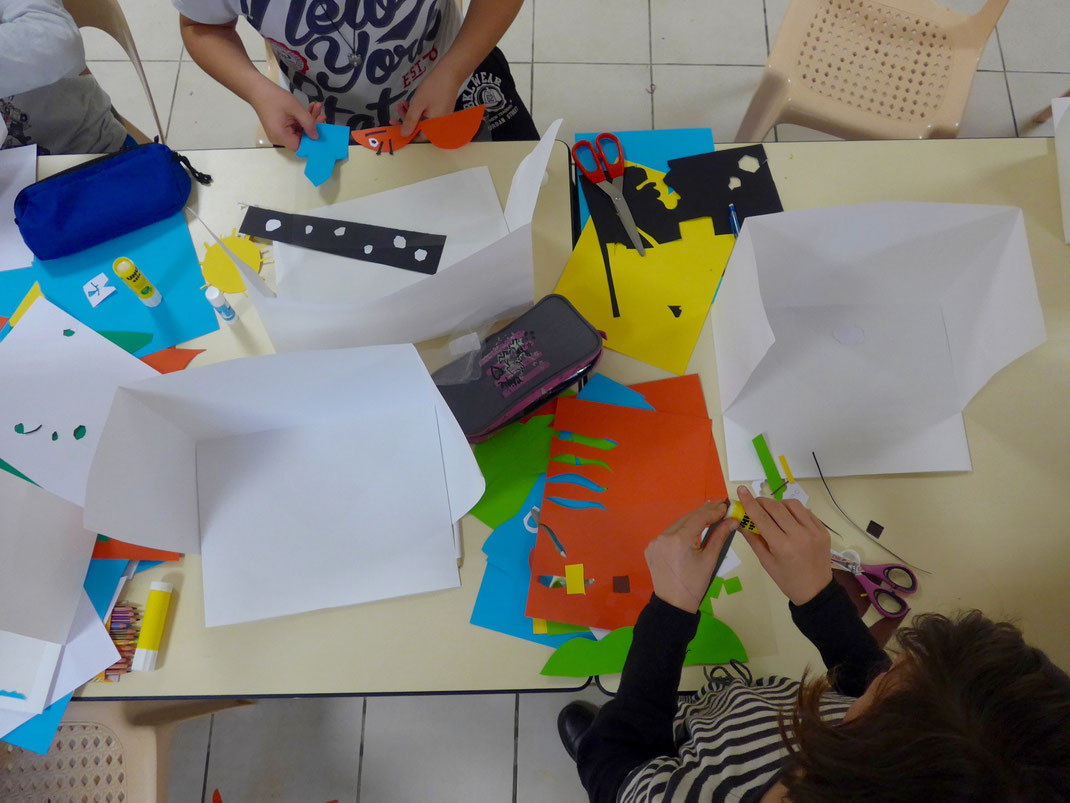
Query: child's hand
[315,108]
[793,547]
[435,96]
[679,566]
[282,115]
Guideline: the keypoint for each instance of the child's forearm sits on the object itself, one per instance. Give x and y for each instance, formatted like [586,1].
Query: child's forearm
[484,25]
[219,51]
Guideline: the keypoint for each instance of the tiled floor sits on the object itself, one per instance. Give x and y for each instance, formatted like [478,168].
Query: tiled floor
[604,64]
[600,64]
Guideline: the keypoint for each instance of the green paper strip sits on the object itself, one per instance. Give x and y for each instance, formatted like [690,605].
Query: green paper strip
[716,586]
[574,460]
[605,444]
[10,469]
[128,341]
[772,476]
[714,643]
[733,585]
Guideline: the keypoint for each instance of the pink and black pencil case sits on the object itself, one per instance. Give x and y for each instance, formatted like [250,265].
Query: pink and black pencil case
[522,366]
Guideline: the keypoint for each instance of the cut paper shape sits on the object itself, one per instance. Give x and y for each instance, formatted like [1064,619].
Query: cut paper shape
[31,296]
[733,585]
[574,580]
[604,444]
[450,131]
[765,457]
[166,252]
[574,460]
[705,181]
[716,586]
[79,432]
[21,429]
[602,389]
[218,268]
[171,359]
[503,592]
[322,153]
[664,465]
[787,469]
[577,479]
[17,695]
[486,271]
[113,549]
[510,461]
[684,273]
[351,243]
[65,383]
[130,342]
[621,585]
[272,224]
[676,310]
[68,333]
[184,460]
[97,289]
[18,170]
[654,148]
[538,627]
[925,279]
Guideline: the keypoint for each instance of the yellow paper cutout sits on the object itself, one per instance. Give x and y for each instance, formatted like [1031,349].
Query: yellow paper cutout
[218,268]
[680,276]
[574,579]
[668,198]
[32,295]
[538,627]
[787,470]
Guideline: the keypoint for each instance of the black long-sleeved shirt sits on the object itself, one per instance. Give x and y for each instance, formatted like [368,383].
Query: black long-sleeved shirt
[730,746]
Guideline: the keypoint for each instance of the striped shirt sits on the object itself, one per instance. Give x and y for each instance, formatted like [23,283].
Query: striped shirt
[729,740]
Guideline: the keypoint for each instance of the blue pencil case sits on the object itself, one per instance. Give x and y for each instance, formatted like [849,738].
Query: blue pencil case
[102,199]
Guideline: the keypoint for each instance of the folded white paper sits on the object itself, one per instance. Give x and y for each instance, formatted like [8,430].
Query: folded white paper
[305,480]
[860,333]
[325,301]
[1061,121]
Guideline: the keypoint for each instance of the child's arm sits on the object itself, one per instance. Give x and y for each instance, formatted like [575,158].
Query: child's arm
[484,24]
[39,45]
[220,53]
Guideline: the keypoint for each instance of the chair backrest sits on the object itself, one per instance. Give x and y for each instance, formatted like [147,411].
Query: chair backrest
[107,16]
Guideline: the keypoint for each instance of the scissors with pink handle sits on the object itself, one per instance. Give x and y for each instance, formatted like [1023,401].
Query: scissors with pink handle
[884,583]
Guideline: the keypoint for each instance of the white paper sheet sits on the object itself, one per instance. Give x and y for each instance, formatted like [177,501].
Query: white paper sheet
[27,666]
[860,333]
[58,382]
[18,169]
[44,555]
[88,653]
[1061,121]
[490,283]
[198,441]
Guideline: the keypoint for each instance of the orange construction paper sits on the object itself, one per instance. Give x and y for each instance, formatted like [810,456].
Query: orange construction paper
[663,466]
[3,321]
[120,550]
[449,131]
[170,359]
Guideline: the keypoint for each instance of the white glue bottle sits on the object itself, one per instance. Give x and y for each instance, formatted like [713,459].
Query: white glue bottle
[219,303]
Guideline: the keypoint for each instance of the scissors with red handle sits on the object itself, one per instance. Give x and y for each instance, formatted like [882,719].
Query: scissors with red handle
[609,177]
[884,583]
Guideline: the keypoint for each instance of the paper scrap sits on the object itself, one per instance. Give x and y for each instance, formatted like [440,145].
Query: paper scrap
[733,585]
[538,627]
[31,296]
[765,457]
[97,289]
[321,154]
[171,359]
[113,549]
[574,580]
[18,169]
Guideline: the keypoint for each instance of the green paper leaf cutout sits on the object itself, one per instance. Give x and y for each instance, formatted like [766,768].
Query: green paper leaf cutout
[510,462]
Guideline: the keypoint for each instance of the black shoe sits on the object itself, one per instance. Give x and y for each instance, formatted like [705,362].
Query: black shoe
[573,722]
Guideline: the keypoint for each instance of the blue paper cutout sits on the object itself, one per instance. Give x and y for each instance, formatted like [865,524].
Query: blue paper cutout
[578,479]
[163,250]
[142,565]
[503,594]
[654,149]
[36,734]
[575,504]
[332,146]
[16,694]
[602,389]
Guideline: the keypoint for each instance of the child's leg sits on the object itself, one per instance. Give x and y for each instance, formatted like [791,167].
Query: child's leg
[492,85]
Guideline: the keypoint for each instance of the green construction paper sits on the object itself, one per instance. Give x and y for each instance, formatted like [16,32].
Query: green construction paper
[772,475]
[714,643]
[10,469]
[560,628]
[128,341]
[510,462]
[733,585]
[716,586]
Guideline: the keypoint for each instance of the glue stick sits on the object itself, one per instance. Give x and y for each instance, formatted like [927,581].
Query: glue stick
[220,304]
[737,512]
[126,270]
[152,625]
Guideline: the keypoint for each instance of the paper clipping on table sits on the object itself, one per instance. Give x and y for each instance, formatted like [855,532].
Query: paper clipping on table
[18,169]
[1061,121]
[486,270]
[305,481]
[860,333]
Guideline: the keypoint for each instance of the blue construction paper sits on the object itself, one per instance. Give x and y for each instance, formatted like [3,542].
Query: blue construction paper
[654,149]
[142,565]
[332,146]
[36,734]
[162,250]
[510,544]
[602,389]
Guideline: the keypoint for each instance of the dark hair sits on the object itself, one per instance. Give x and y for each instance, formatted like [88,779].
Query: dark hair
[970,712]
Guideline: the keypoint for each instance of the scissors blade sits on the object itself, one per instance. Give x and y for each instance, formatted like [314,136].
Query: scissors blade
[625,215]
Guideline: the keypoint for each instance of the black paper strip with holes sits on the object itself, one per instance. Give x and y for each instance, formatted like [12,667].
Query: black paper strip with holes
[703,183]
[399,248]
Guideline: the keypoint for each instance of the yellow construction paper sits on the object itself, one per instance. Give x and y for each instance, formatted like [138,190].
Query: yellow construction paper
[538,627]
[683,274]
[219,269]
[32,295]
[787,470]
[574,579]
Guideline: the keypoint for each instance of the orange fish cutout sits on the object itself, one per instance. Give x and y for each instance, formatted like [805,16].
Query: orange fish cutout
[448,132]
